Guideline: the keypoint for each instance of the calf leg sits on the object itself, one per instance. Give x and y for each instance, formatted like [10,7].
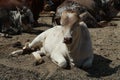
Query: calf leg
[60,56]
[38,58]
[59,60]
[38,40]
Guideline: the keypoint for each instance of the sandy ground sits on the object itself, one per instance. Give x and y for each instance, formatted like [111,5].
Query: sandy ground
[106,65]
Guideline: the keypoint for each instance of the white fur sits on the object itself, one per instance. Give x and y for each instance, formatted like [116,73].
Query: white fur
[16,16]
[52,45]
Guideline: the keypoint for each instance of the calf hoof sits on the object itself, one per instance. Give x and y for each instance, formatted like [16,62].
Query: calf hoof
[38,62]
[63,64]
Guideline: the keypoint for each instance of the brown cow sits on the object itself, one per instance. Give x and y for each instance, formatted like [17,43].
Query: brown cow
[91,11]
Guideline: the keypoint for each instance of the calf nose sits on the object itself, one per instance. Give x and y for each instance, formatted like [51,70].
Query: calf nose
[68,40]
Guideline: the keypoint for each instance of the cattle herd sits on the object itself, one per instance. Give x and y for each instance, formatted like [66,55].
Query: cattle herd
[71,42]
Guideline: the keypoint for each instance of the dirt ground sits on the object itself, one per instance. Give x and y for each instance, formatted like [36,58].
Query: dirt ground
[106,65]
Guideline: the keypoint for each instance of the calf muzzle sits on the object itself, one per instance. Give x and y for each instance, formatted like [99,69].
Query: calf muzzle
[67,40]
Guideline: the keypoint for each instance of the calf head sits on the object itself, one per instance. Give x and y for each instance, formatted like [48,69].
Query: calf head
[73,5]
[69,20]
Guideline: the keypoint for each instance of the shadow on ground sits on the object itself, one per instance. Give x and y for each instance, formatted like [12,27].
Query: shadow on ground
[101,67]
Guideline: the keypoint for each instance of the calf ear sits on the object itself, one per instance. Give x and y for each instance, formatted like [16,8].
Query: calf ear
[83,24]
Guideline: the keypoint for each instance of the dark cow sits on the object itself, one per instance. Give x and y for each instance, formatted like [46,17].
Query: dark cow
[15,21]
[27,19]
[38,6]
[22,19]
[10,21]
[91,11]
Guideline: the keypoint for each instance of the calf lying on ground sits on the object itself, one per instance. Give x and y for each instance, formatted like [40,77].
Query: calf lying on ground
[68,42]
